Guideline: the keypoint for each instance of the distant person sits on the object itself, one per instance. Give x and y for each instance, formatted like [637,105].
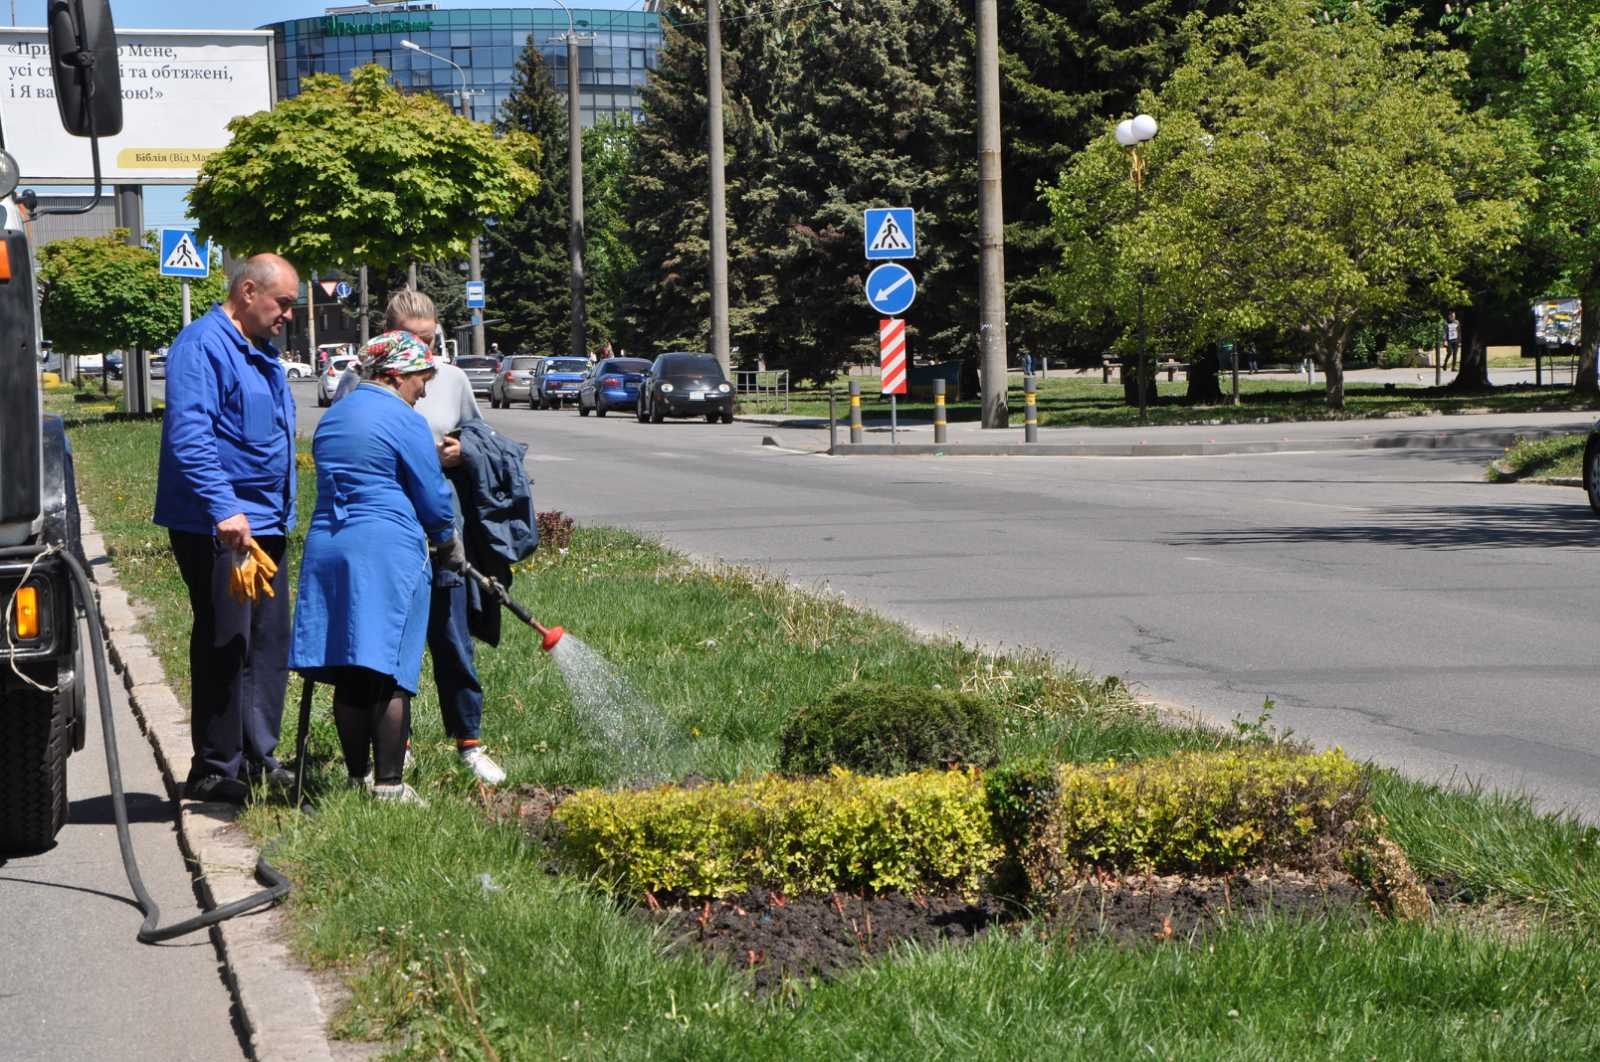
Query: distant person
[1027,364]
[225,484]
[1452,340]
[383,509]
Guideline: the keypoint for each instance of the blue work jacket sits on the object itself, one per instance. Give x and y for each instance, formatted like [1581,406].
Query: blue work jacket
[227,438]
[365,579]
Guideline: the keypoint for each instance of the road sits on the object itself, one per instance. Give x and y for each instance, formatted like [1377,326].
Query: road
[1389,602]
[74,983]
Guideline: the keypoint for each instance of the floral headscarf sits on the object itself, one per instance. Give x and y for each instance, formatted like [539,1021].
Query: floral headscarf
[395,353]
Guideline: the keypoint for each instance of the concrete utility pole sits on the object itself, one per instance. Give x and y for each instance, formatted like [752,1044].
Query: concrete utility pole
[576,237]
[991,223]
[719,212]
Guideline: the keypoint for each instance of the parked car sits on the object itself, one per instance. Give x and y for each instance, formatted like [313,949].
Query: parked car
[514,381]
[1591,468]
[328,379]
[158,367]
[612,384]
[480,370]
[114,365]
[681,384]
[557,381]
[297,370]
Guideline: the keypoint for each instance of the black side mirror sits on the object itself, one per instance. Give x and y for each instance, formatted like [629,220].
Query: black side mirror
[83,58]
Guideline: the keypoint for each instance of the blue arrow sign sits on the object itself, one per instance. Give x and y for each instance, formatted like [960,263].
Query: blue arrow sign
[475,295]
[184,256]
[891,289]
[343,289]
[891,232]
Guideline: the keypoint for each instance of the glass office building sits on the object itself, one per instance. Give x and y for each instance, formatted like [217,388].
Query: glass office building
[484,42]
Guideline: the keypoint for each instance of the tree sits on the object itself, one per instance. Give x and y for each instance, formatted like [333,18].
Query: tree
[607,186]
[100,293]
[1310,174]
[355,172]
[530,266]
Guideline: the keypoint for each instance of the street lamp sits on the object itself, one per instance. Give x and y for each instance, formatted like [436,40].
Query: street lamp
[474,253]
[575,233]
[1131,132]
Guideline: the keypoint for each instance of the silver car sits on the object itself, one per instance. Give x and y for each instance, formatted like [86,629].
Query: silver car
[480,370]
[514,381]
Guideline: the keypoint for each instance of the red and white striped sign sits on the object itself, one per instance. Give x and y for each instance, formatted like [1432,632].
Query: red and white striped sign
[892,355]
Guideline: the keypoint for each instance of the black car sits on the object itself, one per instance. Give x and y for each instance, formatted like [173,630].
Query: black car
[1591,468]
[685,385]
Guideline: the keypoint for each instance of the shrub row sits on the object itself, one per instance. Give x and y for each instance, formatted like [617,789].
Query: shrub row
[888,728]
[1036,825]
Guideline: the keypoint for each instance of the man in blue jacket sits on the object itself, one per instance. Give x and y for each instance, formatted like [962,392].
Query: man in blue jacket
[227,478]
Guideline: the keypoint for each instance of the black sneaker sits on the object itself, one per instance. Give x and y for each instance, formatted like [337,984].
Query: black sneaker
[279,779]
[216,788]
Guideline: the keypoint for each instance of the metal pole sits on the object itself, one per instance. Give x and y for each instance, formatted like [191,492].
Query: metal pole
[941,430]
[1142,376]
[855,411]
[1030,410]
[719,217]
[311,319]
[475,272]
[135,378]
[411,276]
[188,315]
[1235,356]
[991,222]
[575,232]
[366,323]
[833,421]
[1438,359]
[894,421]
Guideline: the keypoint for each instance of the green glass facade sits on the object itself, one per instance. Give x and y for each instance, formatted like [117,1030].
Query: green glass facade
[485,42]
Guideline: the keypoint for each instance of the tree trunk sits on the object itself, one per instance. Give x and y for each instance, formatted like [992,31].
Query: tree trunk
[1205,386]
[1473,375]
[1130,383]
[1585,381]
[1330,351]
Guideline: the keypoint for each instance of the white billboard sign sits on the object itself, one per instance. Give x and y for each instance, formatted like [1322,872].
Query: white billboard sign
[179,90]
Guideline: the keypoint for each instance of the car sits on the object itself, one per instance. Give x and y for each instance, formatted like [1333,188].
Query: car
[297,370]
[1591,468]
[480,370]
[328,379]
[612,384]
[557,381]
[158,367]
[514,381]
[682,384]
[114,365]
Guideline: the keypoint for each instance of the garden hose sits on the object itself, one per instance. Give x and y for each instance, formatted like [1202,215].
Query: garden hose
[150,932]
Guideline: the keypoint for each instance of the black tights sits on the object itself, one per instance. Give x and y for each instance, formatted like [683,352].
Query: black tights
[374,718]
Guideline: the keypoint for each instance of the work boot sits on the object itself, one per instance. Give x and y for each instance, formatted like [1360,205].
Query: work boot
[488,771]
[399,793]
[216,788]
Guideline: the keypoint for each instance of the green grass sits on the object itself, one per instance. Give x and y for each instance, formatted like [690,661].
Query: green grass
[1067,400]
[458,942]
[1561,456]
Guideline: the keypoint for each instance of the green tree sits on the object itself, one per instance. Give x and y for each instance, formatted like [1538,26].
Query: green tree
[353,172]
[529,271]
[1310,174]
[607,186]
[100,293]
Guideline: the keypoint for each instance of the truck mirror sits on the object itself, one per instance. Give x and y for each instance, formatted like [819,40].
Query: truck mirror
[83,58]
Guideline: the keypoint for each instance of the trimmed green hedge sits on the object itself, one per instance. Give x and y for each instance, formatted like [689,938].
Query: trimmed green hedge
[887,728]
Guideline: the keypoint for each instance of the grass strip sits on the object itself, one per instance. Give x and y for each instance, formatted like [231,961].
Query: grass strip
[1535,459]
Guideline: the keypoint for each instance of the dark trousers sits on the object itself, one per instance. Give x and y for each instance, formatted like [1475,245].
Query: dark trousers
[238,660]
[450,646]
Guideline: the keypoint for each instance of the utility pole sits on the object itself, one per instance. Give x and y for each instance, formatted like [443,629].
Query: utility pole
[719,213]
[991,223]
[575,232]
[135,375]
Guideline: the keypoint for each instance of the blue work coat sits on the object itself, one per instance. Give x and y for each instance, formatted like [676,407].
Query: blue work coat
[227,437]
[365,578]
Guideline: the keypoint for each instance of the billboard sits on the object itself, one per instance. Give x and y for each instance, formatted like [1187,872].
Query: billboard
[1556,322]
[179,90]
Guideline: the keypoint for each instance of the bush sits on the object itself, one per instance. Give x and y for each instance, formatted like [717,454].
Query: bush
[916,832]
[883,728]
[555,529]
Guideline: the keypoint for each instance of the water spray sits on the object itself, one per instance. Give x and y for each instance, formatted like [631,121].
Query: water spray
[549,636]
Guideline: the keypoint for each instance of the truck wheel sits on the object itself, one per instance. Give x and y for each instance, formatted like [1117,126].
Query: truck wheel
[35,737]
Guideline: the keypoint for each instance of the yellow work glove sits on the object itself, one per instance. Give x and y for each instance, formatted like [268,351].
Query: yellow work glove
[266,570]
[242,582]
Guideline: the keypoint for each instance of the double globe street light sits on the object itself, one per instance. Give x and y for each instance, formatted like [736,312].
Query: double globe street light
[1131,132]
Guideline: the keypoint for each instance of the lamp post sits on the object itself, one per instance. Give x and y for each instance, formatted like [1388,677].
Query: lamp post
[474,253]
[575,231]
[1132,132]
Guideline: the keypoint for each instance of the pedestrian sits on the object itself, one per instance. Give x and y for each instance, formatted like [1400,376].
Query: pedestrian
[1027,364]
[1452,340]
[383,510]
[448,405]
[225,492]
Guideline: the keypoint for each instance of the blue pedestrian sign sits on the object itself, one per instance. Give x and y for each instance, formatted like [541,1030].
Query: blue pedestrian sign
[475,298]
[184,256]
[343,289]
[891,232]
[891,289]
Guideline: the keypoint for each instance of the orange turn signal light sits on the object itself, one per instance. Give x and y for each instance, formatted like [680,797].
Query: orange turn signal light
[26,620]
[5,262]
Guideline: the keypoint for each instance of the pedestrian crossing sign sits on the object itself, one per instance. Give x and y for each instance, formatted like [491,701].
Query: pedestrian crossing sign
[891,232]
[184,256]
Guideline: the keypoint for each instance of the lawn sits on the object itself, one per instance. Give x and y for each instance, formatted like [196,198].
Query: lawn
[1536,459]
[1067,399]
[458,941]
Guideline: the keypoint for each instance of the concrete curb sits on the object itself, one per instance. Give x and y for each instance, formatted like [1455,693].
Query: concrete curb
[1467,439]
[280,1009]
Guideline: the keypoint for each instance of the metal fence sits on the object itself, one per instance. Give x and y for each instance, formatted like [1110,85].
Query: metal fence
[763,389]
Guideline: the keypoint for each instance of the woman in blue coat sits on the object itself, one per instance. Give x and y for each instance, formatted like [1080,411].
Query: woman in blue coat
[361,617]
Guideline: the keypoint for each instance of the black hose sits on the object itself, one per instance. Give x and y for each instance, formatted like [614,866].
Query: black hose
[150,932]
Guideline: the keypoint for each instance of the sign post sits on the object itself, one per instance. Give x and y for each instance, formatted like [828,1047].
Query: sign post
[892,368]
[891,233]
[184,257]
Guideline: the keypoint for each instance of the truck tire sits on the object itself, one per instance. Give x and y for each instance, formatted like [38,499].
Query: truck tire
[35,738]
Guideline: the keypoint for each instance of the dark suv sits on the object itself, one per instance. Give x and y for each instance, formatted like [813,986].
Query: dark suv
[685,385]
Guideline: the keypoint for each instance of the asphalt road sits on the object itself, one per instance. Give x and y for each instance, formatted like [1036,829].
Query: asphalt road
[74,983]
[1389,602]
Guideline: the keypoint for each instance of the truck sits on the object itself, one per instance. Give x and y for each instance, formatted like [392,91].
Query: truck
[42,703]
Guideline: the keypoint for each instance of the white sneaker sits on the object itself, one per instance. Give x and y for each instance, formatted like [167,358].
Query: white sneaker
[399,793]
[488,771]
[364,782]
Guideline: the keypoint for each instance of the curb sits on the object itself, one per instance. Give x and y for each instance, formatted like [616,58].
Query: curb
[280,1009]
[1467,439]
